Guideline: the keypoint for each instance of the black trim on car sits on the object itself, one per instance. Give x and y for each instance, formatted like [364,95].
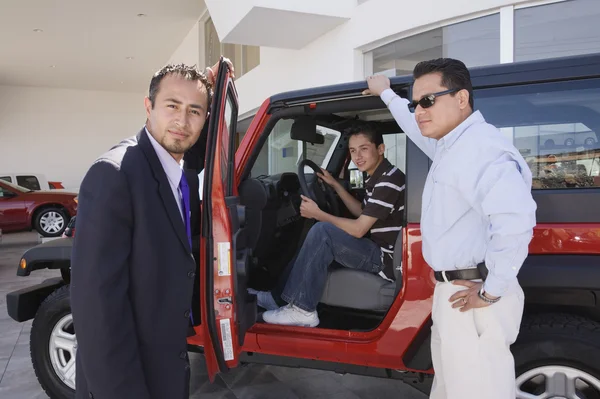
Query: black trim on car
[567,205]
[417,168]
[23,304]
[419,381]
[525,72]
[560,271]
[418,353]
[518,73]
[207,216]
[54,254]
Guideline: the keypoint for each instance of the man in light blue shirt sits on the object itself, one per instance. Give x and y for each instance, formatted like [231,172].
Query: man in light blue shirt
[477,220]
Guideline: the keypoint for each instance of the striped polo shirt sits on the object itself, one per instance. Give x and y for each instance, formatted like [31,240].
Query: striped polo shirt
[384,200]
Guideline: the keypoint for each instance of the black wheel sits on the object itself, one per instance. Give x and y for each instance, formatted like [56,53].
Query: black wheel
[558,355]
[53,345]
[50,222]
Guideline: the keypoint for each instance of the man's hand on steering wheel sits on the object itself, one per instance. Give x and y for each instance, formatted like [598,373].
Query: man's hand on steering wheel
[320,192]
[327,178]
[309,208]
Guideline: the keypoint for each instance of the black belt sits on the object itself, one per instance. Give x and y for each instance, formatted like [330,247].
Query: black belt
[477,273]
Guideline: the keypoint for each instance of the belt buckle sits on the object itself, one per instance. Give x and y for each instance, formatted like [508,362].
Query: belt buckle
[444,276]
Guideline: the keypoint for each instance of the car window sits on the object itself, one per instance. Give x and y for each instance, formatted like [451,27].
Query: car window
[15,187]
[555,126]
[4,193]
[6,178]
[282,154]
[30,182]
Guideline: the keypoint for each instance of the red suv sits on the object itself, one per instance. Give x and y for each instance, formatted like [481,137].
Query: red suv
[251,228]
[48,212]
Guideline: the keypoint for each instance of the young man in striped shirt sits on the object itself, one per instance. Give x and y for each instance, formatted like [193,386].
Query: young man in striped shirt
[365,243]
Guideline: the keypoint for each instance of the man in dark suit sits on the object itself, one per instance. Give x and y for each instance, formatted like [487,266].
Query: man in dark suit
[133,272]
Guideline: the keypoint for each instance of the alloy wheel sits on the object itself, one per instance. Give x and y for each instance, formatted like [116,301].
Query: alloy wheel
[63,350]
[557,382]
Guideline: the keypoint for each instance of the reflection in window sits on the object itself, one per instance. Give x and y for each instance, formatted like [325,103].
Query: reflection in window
[555,127]
[475,42]
[557,30]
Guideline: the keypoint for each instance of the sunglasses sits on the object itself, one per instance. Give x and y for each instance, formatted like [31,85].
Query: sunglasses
[428,100]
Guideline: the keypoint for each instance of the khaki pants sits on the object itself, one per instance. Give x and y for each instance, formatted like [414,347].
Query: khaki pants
[471,350]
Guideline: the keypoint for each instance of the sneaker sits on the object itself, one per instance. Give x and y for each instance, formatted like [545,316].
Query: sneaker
[291,316]
[264,299]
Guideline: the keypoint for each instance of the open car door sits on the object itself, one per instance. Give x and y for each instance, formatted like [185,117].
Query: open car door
[227,310]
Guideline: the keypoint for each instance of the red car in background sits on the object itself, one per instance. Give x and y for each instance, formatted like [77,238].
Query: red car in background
[48,212]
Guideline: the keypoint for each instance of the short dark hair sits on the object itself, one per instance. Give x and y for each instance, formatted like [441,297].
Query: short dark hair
[366,129]
[455,74]
[184,71]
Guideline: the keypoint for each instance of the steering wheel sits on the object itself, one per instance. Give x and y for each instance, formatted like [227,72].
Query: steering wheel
[320,192]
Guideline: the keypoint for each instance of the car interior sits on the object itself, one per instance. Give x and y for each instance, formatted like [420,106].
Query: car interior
[353,299]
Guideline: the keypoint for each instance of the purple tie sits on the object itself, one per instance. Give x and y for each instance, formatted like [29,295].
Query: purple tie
[185,205]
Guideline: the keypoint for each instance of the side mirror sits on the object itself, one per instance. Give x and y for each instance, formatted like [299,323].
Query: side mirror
[356,179]
[305,129]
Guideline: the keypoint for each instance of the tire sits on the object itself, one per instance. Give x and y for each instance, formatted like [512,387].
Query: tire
[52,316]
[50,222]
[556,347]
[549,143]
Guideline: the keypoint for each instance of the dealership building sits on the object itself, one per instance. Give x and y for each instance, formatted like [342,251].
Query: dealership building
[72,81]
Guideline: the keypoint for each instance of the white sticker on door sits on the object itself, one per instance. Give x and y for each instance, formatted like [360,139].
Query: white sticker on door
[224,259]
[227,341]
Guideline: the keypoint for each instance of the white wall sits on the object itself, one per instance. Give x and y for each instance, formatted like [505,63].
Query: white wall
[188,51]
[325,61]
[336,57]
[60,132]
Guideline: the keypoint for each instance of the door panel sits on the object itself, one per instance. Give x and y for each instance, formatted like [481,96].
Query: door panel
[13,213]
[227,310]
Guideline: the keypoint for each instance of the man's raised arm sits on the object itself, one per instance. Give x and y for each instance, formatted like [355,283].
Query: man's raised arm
[379,85]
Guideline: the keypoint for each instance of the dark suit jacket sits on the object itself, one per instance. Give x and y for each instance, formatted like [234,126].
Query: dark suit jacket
[132,278]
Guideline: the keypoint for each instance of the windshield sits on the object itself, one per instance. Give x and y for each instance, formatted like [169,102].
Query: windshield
[282,154]
[16,187]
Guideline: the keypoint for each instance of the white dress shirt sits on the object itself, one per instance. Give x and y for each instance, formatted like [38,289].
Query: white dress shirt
[477,203]
[172,168]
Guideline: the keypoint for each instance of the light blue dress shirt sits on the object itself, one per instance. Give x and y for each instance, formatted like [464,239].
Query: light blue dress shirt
[477,203]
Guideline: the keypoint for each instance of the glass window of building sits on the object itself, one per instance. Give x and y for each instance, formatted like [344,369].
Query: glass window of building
[557,30]
[475,42]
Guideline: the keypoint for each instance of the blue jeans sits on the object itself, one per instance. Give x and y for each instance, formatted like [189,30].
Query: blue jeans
[324,244]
